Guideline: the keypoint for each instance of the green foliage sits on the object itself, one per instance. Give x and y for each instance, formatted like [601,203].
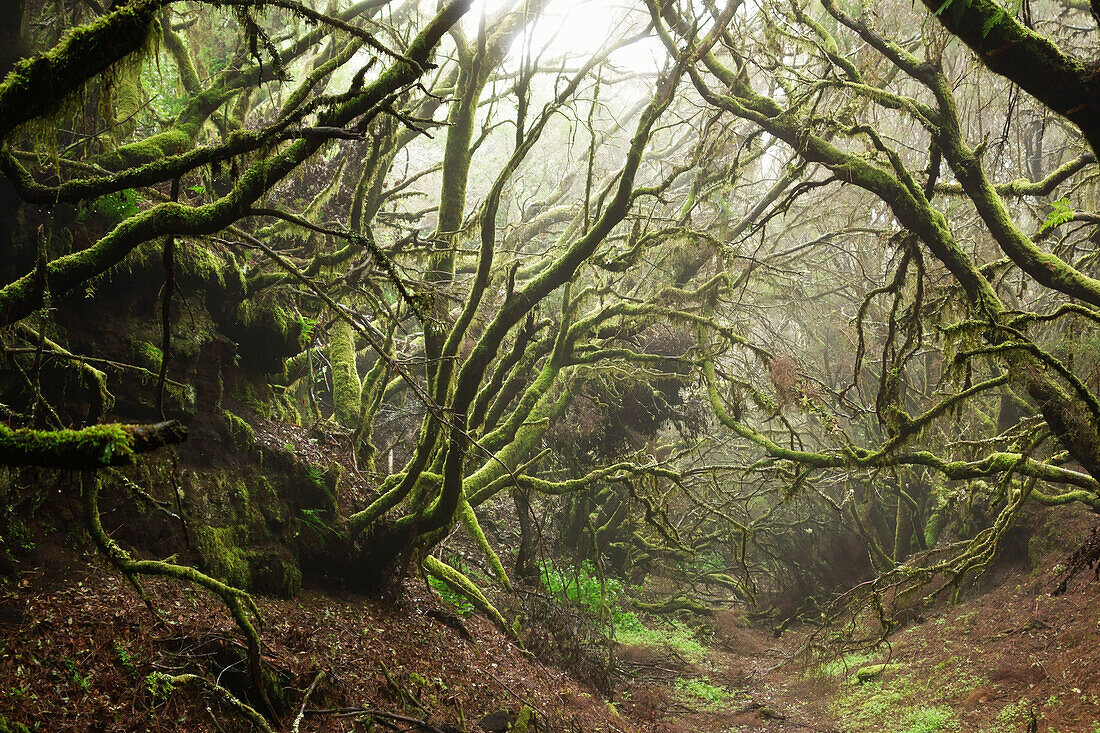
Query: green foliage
[1012,715]
[125,659]
[114,207]
[152,355]
[929,719]
[703,689]
[941,8]
[606,602]
[316,475]
[313,518]
[462,606]
[14,533]
[305,333]
[163,78]
[79,679]
[582,586]
[1060,213]
[159,686]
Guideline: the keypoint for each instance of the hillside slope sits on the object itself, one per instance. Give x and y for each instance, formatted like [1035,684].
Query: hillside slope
[79,651]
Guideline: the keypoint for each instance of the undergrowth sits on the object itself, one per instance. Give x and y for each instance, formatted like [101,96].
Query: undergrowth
[703,689]
[607,602]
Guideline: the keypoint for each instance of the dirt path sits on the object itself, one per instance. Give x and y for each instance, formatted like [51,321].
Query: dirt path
[78,649]
[743,682]
[1011,658]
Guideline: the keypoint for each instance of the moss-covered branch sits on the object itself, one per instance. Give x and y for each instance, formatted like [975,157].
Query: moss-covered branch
[1070,86]
[89,448]
[1023,187]
[35,86]
[459,583]
[346,386]
[21,297]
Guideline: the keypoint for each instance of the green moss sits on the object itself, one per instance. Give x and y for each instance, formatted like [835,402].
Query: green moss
[6,726]
[461,584]
[255,312]
[40,84]
[934,527]
[874,671]
[525,721]
[196,264]
[149,150]
[346,387]
[473,528]
[98,445]
[223,558]
[239,429]
[274,572]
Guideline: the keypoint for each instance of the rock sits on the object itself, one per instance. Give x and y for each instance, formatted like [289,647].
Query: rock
[874,671]
[497,722]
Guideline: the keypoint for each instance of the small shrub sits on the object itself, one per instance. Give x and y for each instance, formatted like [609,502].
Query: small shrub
[125,659]
[80,680]
[582,586]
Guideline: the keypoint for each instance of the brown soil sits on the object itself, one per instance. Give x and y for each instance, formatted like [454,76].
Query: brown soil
[74,656]
[990,663]
[77,645]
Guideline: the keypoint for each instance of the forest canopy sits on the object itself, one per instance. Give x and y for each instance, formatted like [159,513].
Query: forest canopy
[794,304]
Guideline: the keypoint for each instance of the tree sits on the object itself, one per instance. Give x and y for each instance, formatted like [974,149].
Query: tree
[785,298]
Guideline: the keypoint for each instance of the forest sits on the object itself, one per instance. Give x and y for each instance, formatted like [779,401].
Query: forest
[550,365]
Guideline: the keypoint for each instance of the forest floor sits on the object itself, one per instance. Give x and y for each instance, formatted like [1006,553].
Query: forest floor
[79,652]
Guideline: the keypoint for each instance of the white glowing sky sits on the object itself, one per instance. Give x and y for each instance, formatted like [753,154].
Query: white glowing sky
[578,28]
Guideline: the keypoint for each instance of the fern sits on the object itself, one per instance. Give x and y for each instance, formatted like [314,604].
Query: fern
[1059,214]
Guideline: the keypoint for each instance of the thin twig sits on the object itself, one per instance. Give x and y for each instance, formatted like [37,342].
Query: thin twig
[305,699]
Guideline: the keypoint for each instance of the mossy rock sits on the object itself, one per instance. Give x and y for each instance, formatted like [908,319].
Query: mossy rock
[239,430]
[223,557]
[874,671]
[266,333]
[525,721]
[274,572]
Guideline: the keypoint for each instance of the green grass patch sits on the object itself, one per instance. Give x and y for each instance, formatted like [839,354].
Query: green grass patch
[673,634]
[928,719]
[701,688]
[896,703]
